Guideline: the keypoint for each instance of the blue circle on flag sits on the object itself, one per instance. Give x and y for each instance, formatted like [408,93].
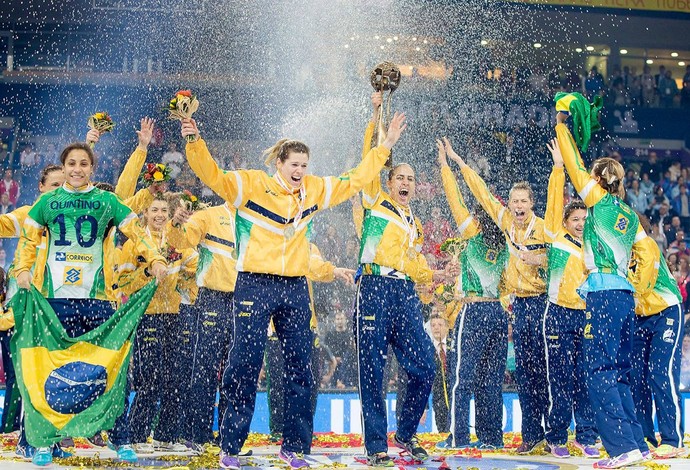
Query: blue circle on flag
[72,388]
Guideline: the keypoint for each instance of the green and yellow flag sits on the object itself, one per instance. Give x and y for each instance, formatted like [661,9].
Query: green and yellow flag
[71,386]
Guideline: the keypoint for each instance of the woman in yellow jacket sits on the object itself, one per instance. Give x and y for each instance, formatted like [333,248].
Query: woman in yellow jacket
[158,336]
[525,279]
[274,214]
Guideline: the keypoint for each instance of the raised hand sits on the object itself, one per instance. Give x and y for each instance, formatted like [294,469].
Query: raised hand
[189,127]
[146,133]
[181,216]
[561,117]
[442,157]
[395,130]
[377,100]
[345,275]
[451,153]
[555,150]
[159,270]
[92,136]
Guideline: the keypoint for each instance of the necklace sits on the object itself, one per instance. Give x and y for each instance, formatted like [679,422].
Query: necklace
[530,226]
[290,230]
[411,230]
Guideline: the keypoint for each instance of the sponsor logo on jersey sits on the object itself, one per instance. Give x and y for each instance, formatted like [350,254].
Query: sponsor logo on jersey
[73,276]
[669,335]
[76,204]
[73,257]
[588,331]
[622,223]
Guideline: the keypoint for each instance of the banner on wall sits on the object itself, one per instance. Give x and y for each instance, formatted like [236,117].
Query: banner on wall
[678,6]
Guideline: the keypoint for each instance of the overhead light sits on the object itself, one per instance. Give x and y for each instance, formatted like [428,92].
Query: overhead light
[681,63]
[537,45]
[484,42]
[416,48]
[426,42]
[377,37]
[578,49]
[590,48]
[414,39]
[674,54]
[624,51]
[395,38]
[650,61]
[389,40]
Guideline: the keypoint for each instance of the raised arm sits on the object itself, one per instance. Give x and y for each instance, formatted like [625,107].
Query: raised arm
[127,182]
[357,215]
[491,205]
[11,223]
[467,226]
[371,190]
[140,201]
[337,189]
[554,197]
[589,190]
[186,230]
[227,184]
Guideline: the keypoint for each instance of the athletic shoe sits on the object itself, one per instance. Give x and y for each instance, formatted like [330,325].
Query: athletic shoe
[169,446]
[529,447]
[666,451]
[66,442]
[412,447]
[447,444]
[143,448]
[194,448]
[26,452]
[246,453]
[380,459]
[293,459]
[126,454]
[647,455]
[589,451]
[97,440]
[43,457]
[558,451]
[483,446]
[61,453]
[230,462]
[623,460]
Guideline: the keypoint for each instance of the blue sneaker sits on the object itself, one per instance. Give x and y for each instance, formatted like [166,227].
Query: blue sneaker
[126,454]
[26,452]
[229,462]
[43,457]
[293,459]
[61,453]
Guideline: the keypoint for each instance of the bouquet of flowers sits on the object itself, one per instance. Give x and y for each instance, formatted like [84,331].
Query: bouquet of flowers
[154,173]
[445,293]
[171,255]
[190,202]
[453,246]
[102,122]
[182,106]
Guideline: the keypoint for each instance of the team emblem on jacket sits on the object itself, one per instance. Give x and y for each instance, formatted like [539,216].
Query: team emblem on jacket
[669,335]
[622,224]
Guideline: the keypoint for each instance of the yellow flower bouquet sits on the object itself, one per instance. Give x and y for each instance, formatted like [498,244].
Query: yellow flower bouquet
[182,106]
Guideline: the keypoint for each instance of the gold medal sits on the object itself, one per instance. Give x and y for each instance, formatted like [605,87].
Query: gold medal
[289,232]
[411,253]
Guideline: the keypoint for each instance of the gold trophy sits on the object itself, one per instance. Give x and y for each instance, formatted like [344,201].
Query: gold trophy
[384,77]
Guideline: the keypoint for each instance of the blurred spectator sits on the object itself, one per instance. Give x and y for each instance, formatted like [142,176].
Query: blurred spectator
[681,204]
[672,262]
[325,362]
[4,262]
[647,186]
[572,82]
[674,172]
[9,186]
[647,86]
[681,275]
[436,230]
[659,237]
[425,190]
[440,397]
[653,168]
[28,159]
[5,204]
[685,91]
[51,156]
[673,247]
[174,159]
[342,344]
[331,245]
[685,364]
[636,198]
[594,84]
[671,229]
[668,89]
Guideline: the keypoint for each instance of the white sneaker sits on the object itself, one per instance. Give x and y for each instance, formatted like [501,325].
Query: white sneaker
[170,446]
[143,448]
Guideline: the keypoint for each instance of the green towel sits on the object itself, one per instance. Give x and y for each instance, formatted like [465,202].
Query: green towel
[585,115]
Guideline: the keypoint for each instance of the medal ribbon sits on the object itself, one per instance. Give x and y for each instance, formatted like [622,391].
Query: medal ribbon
[527,232]
[298,199]
[409,227]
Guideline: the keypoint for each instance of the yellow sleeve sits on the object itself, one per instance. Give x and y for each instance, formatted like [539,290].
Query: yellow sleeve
[371,190]
[140,201]
[589,190]
[187,235]
[502,217]
[131,275]
[127,182]
[646,253]
[467,226]
[11,223]
[230,185]
[553,218]
[31,235]
[320,270]
[358,218]
[423,273]
[186,283]
[336,189]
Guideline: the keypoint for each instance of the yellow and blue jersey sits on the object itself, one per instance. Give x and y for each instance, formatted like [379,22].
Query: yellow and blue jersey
[655,287]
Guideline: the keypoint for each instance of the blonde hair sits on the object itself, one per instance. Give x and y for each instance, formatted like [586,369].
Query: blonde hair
[281,149]
[610,174]
[522,186]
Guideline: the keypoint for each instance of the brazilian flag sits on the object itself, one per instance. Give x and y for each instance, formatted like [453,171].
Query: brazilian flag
[71,386]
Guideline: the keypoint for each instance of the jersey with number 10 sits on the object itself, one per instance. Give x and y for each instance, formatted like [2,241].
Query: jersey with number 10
[77,222]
